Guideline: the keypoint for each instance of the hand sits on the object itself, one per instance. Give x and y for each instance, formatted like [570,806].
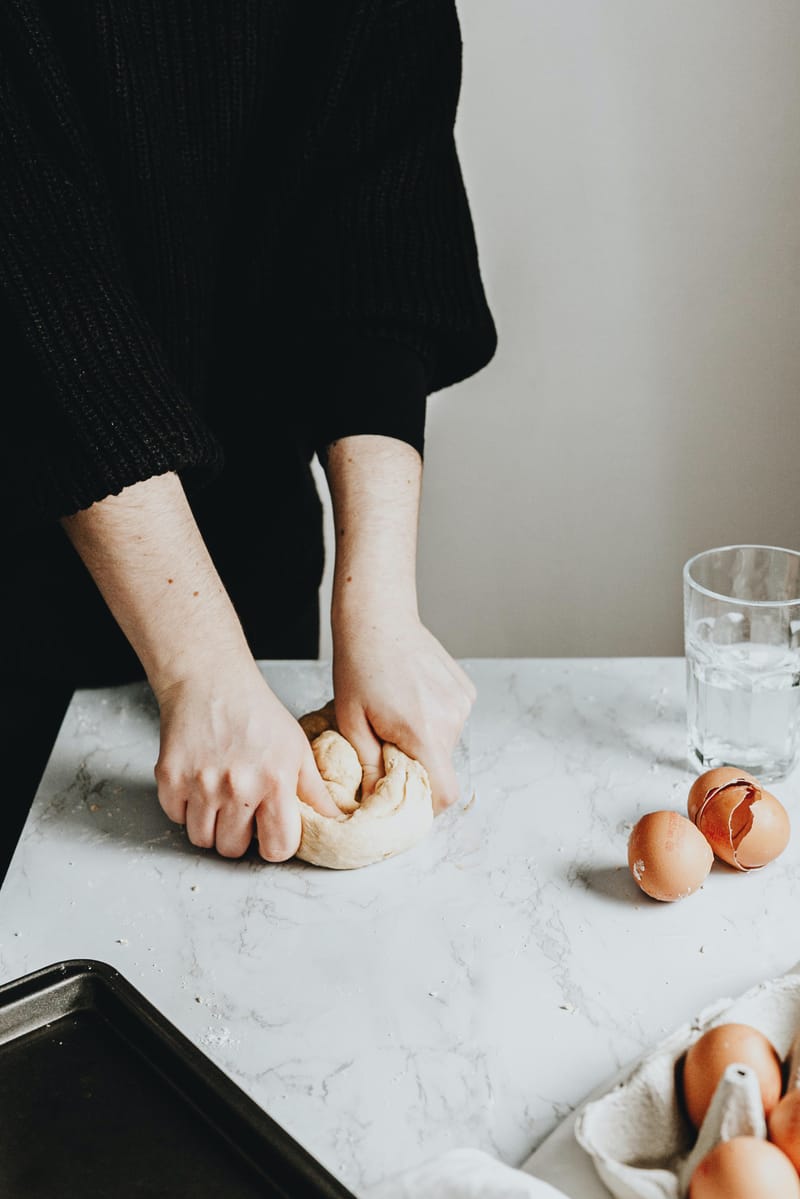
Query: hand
[393,681]
[233,762]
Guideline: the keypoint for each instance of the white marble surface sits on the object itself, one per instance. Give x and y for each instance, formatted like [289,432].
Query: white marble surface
[470,992]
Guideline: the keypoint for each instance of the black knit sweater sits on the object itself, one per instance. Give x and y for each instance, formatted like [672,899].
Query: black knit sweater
[187,183]
[230,231]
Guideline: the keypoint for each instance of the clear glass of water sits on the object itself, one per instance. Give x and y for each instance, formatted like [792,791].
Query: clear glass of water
[742,634]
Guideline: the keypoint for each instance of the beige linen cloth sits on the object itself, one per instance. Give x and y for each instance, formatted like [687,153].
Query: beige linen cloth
[635,1119]
[465,1174]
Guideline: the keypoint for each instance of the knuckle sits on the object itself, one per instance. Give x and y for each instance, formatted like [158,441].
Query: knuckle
[207,778]
[166,774]
[237,781]
[279,781]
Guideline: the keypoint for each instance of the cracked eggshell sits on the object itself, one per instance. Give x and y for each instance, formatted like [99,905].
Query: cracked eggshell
[744,825]
[705,785]
[768,834]
[668,857]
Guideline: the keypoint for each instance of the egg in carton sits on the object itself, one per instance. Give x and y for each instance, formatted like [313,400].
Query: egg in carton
[638,1136]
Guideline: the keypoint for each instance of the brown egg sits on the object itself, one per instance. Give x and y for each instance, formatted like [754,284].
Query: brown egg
[744,825]
[707,1059]
[745,1168]
[710,782]
[784,1126]
[667,856]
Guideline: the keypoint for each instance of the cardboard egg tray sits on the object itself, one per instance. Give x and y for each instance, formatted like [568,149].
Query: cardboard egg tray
[637,1134]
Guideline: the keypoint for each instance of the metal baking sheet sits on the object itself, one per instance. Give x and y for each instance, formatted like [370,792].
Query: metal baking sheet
[100,1095]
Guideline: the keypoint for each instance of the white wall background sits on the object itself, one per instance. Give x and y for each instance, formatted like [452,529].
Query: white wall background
[634,173]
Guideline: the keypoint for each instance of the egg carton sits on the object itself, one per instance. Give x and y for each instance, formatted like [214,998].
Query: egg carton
[637,1135]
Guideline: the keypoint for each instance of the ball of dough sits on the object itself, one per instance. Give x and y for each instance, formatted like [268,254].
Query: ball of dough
[397,815]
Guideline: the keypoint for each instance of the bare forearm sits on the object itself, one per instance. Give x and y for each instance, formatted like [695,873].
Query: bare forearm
[232,761]
[392,679]
[146,554]
[375,488]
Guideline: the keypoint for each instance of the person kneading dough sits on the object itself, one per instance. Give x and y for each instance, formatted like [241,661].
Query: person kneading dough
[396,816]
[242,285]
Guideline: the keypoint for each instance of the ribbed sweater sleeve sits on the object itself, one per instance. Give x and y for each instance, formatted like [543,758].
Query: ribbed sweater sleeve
[107,411]
[387,285]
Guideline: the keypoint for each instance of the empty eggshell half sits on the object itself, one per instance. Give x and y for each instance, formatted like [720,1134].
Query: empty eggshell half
[746,826]
[667,856]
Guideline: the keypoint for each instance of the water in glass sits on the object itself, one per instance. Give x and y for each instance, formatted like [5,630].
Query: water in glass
[743,698]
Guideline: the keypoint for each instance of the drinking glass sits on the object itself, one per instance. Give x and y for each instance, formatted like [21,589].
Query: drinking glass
[742,636]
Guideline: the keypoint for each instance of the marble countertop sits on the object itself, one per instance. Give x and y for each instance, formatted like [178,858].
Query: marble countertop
[470,992]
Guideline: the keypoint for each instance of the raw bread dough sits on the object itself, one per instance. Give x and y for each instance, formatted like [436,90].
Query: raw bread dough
[396,816]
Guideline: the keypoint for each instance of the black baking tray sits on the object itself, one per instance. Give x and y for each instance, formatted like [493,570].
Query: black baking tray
[101,1096]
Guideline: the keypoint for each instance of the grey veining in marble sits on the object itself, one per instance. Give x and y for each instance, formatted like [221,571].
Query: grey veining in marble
[470,992]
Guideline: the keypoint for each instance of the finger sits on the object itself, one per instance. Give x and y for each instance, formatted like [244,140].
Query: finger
[201,821]
[171,795]
[173,804]
[312,790]
[234,829]
[444,781]
[357,730]
[241,795]
[278,826]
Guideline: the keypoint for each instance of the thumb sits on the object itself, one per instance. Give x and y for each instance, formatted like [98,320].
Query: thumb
[443,777]
[312,790]
[356,729]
